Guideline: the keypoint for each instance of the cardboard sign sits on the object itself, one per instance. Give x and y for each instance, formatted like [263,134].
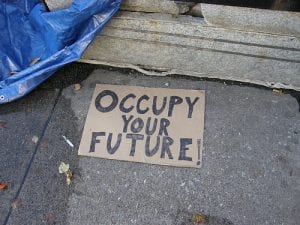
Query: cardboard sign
[149,125]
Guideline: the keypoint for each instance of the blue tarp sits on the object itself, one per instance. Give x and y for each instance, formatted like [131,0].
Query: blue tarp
[34,43]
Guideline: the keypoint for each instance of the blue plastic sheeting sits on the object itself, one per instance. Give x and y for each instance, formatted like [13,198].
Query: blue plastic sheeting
[34,43]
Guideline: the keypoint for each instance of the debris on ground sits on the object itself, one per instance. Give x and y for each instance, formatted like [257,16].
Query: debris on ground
[29,110]
[69,176]
[77,87]
[16,204]
[167,84]
[35,139]
[65,169]
[2,124]
[34,61]
[45,144]
[50,218]
[199,218]
[68,141]
[3,185]
[278,91]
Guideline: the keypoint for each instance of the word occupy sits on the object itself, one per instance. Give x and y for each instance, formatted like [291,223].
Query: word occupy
[173,101]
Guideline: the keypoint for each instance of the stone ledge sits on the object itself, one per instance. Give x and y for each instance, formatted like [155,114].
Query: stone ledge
[257,20]
[183,45]
[232,43]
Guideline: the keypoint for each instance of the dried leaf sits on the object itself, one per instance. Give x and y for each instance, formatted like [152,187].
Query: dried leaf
[69,176]
[16,204]
[45,144]
[278,91]
[34,61]
[2,124]
[50,219]
[77,87]
[63,167]
[3,185]
[199,218]
[35,139]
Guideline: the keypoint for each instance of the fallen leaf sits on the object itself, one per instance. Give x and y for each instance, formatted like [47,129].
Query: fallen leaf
[77,87]
[199,218]
[16,204]
[34,61]
[3,185]
[50,219]
[35,139]
[45,144]
[63,167]
[278,91]
[2,124]
[69,176]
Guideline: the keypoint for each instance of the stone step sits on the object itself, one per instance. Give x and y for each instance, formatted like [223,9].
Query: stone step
[189,46]
[203,40]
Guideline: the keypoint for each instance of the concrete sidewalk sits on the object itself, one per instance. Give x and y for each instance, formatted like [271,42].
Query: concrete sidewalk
[250,173]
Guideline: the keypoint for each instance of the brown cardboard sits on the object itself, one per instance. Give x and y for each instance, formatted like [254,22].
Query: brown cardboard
[186,133]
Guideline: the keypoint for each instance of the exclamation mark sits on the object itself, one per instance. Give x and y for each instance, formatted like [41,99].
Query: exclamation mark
[199,151]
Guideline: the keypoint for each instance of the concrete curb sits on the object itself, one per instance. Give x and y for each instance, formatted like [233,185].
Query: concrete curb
[203,40]
[189,46]
[249,19]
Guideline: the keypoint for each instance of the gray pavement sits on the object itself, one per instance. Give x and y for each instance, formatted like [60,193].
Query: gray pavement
[250,172]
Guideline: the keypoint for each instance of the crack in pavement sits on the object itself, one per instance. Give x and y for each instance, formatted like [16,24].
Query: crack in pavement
[33,155]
